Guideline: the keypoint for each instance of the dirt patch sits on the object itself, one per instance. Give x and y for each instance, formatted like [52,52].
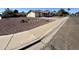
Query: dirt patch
[15,25]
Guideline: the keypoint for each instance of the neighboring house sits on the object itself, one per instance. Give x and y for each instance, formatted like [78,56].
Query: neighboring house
[73,14]
[38,13]
[77,13]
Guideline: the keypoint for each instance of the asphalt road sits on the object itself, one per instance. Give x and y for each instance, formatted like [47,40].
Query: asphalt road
[67,38]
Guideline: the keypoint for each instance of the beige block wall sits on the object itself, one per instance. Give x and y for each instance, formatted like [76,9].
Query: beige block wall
[0,17]
[31,14]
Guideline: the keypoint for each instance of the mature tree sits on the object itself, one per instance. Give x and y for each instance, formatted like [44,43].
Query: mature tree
[7,13]
[10,13]
[15,11]
[54,13]
[0,14]
[62,12]
[22,14]
[68,9]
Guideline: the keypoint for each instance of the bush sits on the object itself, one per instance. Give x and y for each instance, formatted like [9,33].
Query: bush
[12,13]
[62,12]
[7,13]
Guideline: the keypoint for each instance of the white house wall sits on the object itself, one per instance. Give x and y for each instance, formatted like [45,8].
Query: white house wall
[31,14]
[0,18]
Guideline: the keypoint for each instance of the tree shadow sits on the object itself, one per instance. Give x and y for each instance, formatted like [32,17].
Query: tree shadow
[52,47]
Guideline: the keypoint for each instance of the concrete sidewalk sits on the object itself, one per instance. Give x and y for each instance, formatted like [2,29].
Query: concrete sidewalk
[25,38]
[47,37]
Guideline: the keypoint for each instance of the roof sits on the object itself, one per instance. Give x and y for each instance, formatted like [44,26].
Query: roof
[38,11]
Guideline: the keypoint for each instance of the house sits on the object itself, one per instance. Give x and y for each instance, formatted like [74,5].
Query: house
[38,13]
[77,13]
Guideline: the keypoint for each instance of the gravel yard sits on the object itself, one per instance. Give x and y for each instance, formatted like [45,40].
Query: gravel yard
[15,25]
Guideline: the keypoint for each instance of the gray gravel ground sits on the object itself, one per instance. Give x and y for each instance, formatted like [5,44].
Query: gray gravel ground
[15,25]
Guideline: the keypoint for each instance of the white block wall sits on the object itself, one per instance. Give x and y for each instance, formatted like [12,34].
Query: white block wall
[31,14]
[0,17]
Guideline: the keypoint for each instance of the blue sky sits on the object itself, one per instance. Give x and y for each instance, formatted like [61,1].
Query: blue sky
[73,10]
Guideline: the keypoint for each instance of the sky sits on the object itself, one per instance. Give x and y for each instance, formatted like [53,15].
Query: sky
[73,10]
